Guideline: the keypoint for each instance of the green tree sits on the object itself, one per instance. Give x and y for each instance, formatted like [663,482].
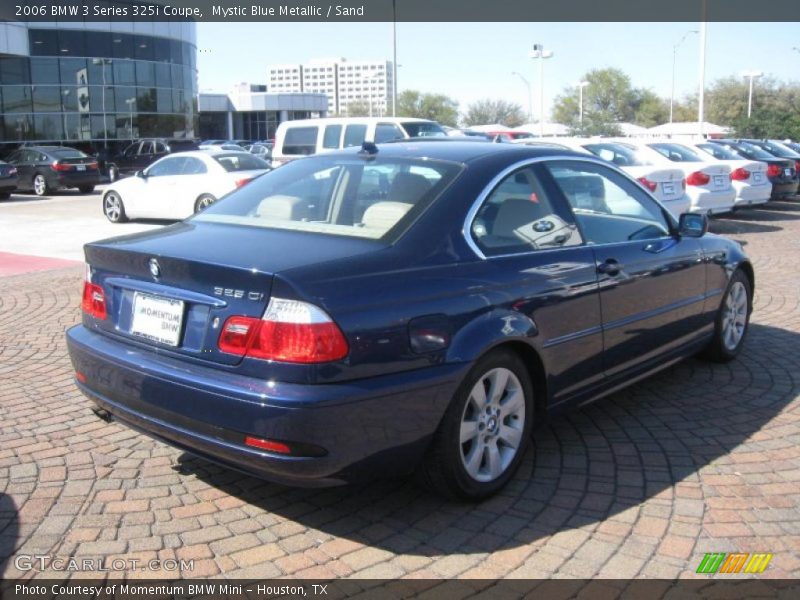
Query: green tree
[649,109]
[436,107]
[356,108]
[488,111]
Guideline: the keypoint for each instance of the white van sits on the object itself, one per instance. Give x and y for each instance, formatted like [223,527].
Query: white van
[295,139]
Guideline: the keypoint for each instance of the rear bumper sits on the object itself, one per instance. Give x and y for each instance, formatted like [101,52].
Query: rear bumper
[712,202]
[77,179]
[678,206]
[749,195]
[377,426]
[779,190]
[8,184]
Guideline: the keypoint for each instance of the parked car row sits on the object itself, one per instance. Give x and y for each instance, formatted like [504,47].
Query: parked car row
[709,176]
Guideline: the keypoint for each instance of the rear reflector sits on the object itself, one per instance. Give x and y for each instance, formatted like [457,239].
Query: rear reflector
[650,185]
[740,174]
[289,331]
[94,301]
[80,376]
[697,178]
[268,445]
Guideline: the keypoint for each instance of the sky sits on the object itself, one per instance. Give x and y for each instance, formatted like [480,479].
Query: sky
[470,61]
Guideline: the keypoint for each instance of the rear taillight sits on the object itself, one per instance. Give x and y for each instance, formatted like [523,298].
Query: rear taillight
[289,331]
[740,174]
[650,185]
[57,166]
[91,165]
[697,178]
[797,166]
[241,182]
[94,300]
[774,170]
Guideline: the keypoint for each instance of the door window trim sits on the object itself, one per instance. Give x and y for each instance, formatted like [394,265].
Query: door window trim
[472,213]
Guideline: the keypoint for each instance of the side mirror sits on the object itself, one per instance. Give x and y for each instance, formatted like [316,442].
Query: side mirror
[143,175]
[693,225]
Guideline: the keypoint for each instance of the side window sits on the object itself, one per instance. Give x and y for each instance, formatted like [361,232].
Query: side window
[387,131]
[147,148]
[168,166]
[193,166]
[131,150]
[331,137]
[354,135]
[608,207]
[300,140]
[518,217]
[161,148]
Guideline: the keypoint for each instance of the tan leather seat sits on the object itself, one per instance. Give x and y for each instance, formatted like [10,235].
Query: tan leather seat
[286,208]
[384,215]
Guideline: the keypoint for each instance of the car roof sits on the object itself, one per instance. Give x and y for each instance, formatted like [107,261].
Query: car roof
[451,149]
[361,120]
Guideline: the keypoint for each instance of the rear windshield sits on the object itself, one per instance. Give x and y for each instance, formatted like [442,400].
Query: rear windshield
[240,161]
[779,150]
[720,152]
[676,152]
[752,151]
[423,129]
[621,155]
[182,145]
[67,153]
[300,140]
[348,196]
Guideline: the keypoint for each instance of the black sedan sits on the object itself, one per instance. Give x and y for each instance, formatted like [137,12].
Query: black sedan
[407,305]
[8,180]
[782,172]
[46,169]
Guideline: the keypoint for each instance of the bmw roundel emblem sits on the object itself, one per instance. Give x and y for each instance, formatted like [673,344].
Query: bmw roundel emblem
[155,268]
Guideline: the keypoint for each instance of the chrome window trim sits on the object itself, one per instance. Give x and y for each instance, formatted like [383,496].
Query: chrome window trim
[466,230]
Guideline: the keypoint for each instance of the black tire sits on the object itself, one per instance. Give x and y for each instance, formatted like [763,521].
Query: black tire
[113,173]
[114,208]
[40,186]
[86,189]
[204,202]
[5,195]
[444,467]
[720,349]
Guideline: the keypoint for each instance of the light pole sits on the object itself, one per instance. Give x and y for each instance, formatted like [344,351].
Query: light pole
[750,75]
[540,53]
[103,62]
[581,85]
[394,58]
[530,95]
[130,102]
[674,55]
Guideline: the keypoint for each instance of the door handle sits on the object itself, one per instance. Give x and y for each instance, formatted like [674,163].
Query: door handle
[610,267]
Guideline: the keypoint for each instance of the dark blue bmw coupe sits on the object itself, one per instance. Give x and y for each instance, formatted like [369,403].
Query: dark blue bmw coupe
[408,306]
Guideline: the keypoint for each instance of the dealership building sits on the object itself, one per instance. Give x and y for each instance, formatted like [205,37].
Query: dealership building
[92,82]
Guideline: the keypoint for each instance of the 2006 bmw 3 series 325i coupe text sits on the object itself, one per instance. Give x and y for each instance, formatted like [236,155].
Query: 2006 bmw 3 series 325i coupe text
[417,305]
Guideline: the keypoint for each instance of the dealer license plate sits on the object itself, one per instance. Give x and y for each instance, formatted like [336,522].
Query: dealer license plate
[80,167]
[787,172]
[668,188]
[756,177]
[157,319]
[719,181]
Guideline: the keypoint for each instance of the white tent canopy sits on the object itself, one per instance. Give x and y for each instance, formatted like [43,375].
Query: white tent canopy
[692,129]
[550,129]
[484,128]
[632,130]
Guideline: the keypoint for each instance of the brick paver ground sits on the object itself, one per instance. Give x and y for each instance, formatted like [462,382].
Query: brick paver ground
[701,458]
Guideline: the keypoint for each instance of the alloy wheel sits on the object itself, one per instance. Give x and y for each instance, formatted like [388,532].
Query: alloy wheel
[734,318]
[492,425]
[112,206]
[39,185]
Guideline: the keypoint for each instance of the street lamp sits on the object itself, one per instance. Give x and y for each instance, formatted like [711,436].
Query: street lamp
[540,53]
[130,102]
[674,54]
[750,75]
[530,95]
[580,85]
[394,58]
[103,62]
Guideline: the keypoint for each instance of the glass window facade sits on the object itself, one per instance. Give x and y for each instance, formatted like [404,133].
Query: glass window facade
[98,85]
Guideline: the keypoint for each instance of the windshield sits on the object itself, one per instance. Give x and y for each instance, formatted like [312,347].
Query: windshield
[240,161]
[67,153]
[423,129]
[350,196]
[720,152]
[779,150]
[676,152]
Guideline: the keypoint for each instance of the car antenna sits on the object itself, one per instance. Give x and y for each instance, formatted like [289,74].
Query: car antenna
[368,149]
